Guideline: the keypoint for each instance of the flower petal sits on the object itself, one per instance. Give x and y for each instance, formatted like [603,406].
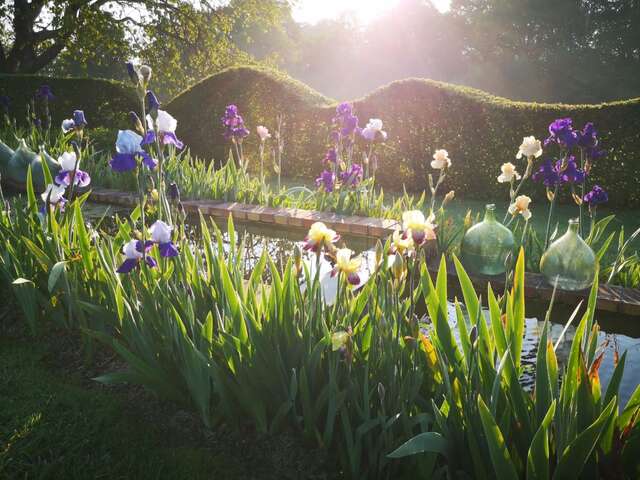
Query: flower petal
[123,162]
[128,265]
[168,250]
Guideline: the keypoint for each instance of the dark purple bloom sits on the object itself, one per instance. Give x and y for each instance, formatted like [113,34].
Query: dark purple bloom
[327,180]
[352,176]
[44,92]
[78,119]
[561,132]
[234,124]
[174,191]
[547,174]
[133,74]
[168,250]
[5,102]
[588,137]
[149,138]
[125,162]
[596,196]
[594,153]
[152,102]
[571,172]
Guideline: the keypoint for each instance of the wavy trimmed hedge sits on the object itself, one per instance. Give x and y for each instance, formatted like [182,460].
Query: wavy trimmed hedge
[106,103]
[480,131]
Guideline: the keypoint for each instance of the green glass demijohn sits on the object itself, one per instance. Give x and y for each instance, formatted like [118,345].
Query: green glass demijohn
[569,263]
[486,245]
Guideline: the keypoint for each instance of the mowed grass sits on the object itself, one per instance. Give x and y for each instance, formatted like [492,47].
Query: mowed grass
[54,423]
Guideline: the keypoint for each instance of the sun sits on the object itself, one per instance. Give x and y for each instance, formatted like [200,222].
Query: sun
[364,11]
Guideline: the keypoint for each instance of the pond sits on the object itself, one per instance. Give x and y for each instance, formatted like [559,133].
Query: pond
[618,333]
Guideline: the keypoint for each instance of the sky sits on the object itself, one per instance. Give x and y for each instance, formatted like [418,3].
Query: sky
[313,11]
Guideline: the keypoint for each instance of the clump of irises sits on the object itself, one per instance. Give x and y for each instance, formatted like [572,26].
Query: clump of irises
[577,151]
[142,150]
[341,170]
[69,175]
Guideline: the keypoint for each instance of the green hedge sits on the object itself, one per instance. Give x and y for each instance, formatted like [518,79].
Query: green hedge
[106,103]
[480,131]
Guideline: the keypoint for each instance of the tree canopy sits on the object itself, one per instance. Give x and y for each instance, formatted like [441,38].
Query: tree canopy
[544,50]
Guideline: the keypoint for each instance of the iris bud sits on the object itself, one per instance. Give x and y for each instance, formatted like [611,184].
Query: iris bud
[145,73]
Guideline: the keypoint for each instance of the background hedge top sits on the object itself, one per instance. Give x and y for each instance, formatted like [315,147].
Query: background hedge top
[106,103]
[479,130]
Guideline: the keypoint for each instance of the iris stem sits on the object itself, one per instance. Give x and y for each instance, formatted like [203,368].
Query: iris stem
[553,201]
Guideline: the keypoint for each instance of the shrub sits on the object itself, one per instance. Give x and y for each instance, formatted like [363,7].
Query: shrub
[480,131]
[106,103]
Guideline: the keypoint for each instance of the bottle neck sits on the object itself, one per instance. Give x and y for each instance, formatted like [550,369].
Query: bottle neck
[490,213]
[574,226]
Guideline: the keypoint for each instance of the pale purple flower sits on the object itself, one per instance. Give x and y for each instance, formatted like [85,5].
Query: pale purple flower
[326,180]
[352,176]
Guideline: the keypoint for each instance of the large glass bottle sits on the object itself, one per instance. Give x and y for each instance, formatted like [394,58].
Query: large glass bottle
[486,245]
[569,263]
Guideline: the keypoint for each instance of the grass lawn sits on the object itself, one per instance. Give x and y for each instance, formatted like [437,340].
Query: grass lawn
[57,423]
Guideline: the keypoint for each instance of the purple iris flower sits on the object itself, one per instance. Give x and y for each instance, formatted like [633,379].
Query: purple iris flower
[169,138]
[78,118]
[174,192]
[561,132]
[128,150]
[133,74]
[352,176]
[5,102]
[69,171]
[133,251]
[571,173]
[596,196]
[149,138]
[344,109]
[233,124]
[327,180]
[152,102]
[161,235]
[78,122]
[331,156]
[44,92]
[547,174]
[349,125]
[588,137]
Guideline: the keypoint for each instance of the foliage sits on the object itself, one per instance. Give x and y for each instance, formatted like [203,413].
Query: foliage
[420,116]
[560,430]
[359,376]
[106,103]
[56,424]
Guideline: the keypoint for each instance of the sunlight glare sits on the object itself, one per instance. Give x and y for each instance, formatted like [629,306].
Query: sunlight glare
[364,11]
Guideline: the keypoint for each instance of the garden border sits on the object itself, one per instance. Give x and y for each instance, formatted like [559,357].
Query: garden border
[611,298]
